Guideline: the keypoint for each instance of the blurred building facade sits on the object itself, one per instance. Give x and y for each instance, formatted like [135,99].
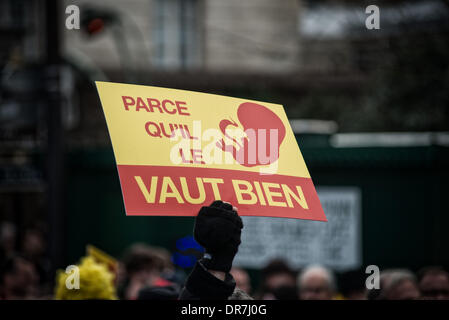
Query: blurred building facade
[258,36]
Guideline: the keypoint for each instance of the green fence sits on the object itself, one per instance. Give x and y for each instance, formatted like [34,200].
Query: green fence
[405,211]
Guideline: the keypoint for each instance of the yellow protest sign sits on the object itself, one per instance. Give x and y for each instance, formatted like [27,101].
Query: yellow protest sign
[178,150]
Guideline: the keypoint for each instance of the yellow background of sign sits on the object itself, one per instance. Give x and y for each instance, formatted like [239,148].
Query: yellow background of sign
[134,146]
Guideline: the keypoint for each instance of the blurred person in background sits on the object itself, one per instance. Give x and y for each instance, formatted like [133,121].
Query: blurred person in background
[7,241]
[352,285]
[278,282]
[167,292]
[169,275]
[167,283]
[384,282]
[18,279]
[34,248]
[144,267]
[398,284]
[242,279]
[434,283]
[316,282]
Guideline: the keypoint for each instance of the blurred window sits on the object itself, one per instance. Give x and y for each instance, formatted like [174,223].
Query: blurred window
[11,13]
[177,33]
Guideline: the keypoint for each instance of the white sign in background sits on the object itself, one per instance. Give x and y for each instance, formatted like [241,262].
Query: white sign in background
[335,244]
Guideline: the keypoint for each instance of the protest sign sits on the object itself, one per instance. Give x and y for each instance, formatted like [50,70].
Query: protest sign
[178,150]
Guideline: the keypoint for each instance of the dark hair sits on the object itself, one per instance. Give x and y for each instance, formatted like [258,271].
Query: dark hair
[277,266]
[352,281]
[141,257]
[431,270]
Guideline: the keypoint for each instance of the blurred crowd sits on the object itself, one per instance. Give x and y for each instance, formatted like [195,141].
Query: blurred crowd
[148,273]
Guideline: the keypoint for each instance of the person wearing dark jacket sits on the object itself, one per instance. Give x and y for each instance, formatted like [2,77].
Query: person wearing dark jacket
[218,229]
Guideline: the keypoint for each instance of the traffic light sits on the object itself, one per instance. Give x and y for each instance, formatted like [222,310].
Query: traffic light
[94,21]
